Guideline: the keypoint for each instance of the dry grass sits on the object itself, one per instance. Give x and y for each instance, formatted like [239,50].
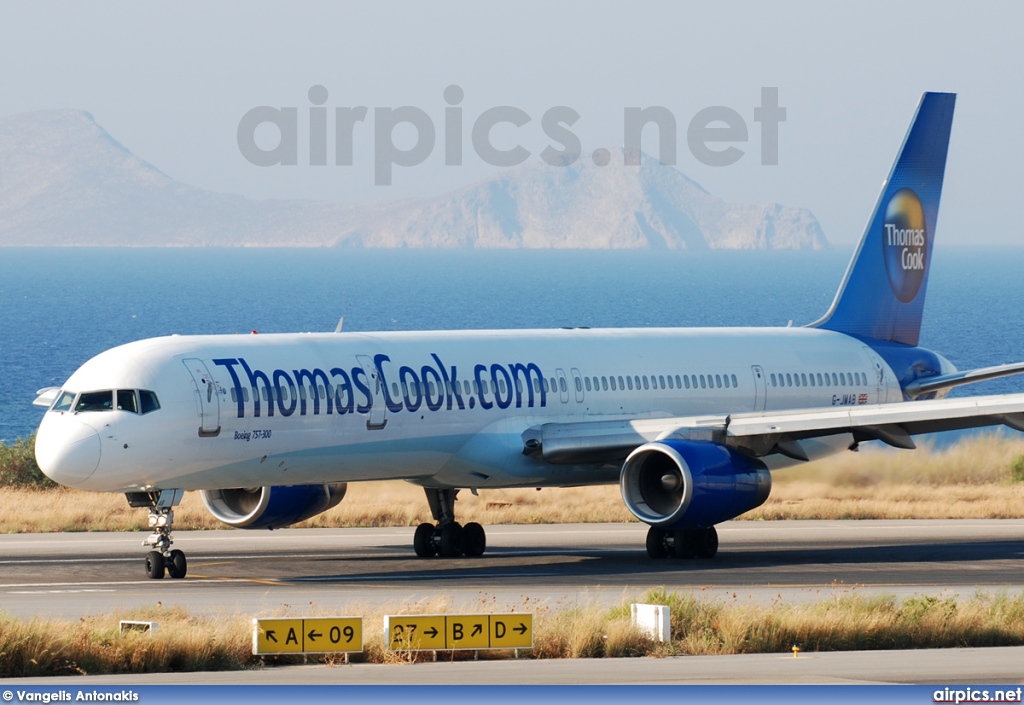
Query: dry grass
[973,479]
[846,621]
[42,647]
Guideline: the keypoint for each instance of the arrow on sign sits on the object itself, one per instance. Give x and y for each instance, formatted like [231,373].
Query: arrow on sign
[314,635]
[270,636]
[432,632]
[521,629]
[477,629]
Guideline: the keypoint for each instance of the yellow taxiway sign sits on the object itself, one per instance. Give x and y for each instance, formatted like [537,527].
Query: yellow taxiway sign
[319,635]
[436,632]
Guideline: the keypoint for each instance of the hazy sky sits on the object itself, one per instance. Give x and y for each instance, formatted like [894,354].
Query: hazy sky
[171,81]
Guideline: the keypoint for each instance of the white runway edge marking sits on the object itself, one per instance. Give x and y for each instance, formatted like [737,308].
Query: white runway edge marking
[509,553]
[419,576]
[11,588]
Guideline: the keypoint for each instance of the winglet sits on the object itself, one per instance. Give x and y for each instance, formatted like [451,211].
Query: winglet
[882,295]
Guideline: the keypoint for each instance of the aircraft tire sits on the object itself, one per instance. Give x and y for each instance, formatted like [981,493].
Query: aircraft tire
[683,544]
[155,565]
[177,566]
[656,547]
[706,542]
[423,541]
[474,540]
[452,541]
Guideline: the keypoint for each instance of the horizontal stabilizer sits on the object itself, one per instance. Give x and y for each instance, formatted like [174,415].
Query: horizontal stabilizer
[934,384]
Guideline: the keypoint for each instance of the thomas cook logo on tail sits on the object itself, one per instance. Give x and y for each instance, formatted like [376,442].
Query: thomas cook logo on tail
[905,244]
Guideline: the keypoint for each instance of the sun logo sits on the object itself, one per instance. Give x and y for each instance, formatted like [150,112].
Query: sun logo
[905,244]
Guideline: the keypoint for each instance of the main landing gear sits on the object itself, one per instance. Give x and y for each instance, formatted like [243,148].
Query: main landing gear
[682,543]
[161,559]
[447,538]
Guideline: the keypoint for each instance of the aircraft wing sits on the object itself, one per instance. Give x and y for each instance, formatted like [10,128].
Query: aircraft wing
[764,433]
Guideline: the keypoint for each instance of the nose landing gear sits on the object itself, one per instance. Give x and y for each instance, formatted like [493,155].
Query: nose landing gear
[161,559]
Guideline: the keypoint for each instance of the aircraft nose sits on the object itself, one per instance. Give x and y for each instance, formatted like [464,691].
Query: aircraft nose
[67,452]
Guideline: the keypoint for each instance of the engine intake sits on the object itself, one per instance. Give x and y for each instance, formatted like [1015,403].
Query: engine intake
[691,484]
[272,507]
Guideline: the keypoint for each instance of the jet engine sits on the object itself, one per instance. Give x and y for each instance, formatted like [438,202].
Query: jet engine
[691,484]
[272,507]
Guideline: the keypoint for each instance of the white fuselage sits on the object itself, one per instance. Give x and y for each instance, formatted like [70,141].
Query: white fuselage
[449,410]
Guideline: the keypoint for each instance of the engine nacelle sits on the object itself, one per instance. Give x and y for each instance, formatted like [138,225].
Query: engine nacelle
[272,507]
[691,484]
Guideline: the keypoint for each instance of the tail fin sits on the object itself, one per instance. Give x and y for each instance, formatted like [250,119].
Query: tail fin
[882,295]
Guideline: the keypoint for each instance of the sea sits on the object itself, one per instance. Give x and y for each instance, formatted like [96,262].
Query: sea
[59,307]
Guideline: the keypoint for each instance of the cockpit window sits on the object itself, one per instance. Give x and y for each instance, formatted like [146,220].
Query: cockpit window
[149,401]
[95,401]
[126,401]
[65,401]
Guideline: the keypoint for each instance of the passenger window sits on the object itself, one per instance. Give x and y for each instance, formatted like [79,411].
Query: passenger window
[686,378]
[148,401]
[734,382]
[64,402]
[727,382]
[678,386]
[819,380]
[579,384]
[812,379]
[629,382]
[622,385]
[613,384]
[789,380]
[588,383]
[95,401]
[702,384]
[718,381]
[234,394]
[604,384]
[670,385]
[561,384]
[645,382]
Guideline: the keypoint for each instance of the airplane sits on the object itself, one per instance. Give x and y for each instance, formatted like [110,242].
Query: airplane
[689,422]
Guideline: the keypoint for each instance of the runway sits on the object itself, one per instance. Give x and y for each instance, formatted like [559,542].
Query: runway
[70,575]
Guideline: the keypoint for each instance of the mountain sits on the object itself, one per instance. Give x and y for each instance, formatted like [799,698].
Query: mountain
[65,181]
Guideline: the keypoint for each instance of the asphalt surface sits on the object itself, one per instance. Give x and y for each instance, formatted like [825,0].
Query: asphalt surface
[341,571]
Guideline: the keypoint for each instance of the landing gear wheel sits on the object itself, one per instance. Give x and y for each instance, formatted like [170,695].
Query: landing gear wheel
[177,566]
[474,539]
[423,541]
[451,540]
[656,547]
[683,544]
[155,565]
[706,542]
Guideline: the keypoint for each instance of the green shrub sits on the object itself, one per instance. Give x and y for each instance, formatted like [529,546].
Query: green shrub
[18,465]
[1017,469]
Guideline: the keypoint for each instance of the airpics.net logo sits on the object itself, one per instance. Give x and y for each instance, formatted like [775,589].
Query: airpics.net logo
[905,244]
